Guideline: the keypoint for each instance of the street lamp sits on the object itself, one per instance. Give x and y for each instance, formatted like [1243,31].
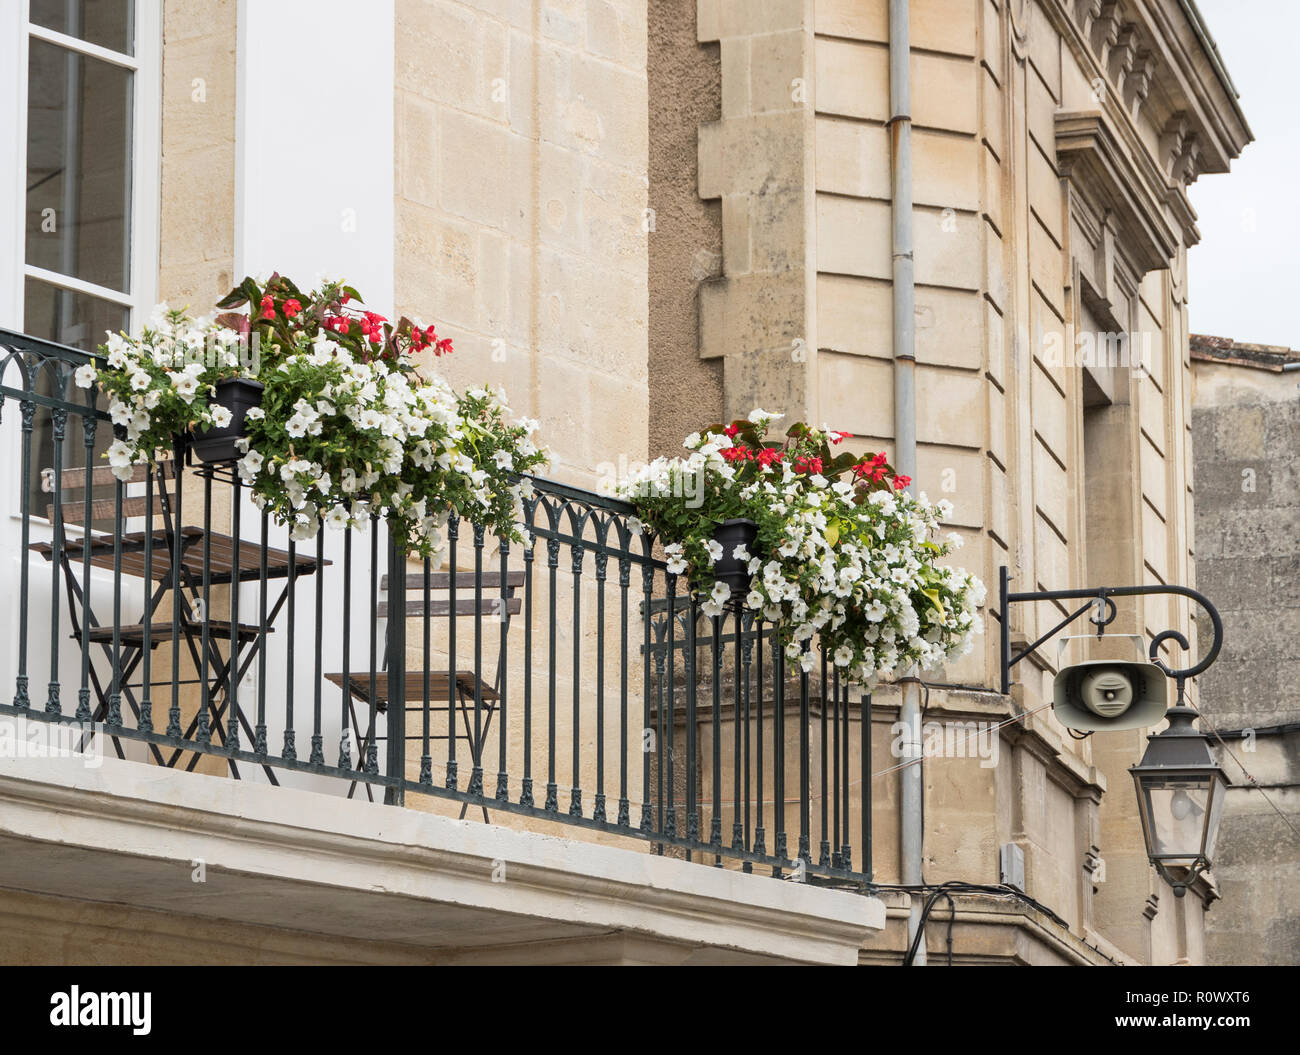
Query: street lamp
[1180,791]
[1180,788]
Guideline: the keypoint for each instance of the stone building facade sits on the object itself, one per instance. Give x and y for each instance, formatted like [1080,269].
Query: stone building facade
[1053,144]
[645,217]
[1246,428]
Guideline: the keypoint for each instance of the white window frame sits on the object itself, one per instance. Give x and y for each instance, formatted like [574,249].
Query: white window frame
[16,31]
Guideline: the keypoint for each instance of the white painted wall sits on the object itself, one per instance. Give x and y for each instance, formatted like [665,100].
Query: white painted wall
[308,206]
[302,204]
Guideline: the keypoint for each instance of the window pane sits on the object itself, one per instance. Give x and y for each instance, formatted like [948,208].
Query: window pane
[107,23]
[80,321]
[70,318]
[78,166]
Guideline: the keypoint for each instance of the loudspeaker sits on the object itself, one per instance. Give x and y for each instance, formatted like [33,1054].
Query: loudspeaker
[1105,694]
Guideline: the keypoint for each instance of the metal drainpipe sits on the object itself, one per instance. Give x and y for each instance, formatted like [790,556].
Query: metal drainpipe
[900,131]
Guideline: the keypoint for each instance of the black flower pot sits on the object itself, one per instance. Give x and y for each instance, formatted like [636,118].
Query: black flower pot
[239,395]
[735,573]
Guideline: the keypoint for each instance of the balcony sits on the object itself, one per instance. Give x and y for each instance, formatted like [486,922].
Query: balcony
[565,689]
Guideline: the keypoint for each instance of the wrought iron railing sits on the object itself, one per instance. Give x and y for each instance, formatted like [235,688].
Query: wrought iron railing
[568,679]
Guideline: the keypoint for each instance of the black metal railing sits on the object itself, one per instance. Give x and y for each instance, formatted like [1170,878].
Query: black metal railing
[569,678]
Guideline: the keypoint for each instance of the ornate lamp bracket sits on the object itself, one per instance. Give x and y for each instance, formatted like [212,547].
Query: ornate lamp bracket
[1100,600]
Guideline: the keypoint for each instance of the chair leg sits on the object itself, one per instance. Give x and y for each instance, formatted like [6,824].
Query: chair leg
[464,808]
[475,749]
[361,750]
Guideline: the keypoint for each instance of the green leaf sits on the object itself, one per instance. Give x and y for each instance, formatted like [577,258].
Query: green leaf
[933,597]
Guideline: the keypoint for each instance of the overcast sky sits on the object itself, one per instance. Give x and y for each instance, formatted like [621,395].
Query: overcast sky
[1244,279]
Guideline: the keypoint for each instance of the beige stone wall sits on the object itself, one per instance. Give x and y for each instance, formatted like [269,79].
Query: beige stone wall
[521,195]
[197,237]
[196,250]
[522,227]
[1052,143]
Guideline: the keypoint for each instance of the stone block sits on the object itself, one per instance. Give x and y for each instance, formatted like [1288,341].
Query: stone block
[948,248]
[614,215]
[1052,491]
[617,32]
[1050,414]
[852,79]
[945,171]
[776,64]
[751,154]
[856,19]
[736,231]
[417,155]
[1045,194]
[993,117]
[752,313]
[991,191]
[853,237]
[1155,483]
[735,77]
[486,198]
[856,394]
[958,476]
[950,407]
[852,158]
[945,93]
[451,32]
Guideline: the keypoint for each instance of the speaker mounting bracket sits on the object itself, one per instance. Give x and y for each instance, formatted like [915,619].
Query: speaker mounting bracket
[1099,599]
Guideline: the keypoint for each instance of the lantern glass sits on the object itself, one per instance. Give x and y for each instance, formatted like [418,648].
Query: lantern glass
[1180,814]
[1217,794]
[1177,809]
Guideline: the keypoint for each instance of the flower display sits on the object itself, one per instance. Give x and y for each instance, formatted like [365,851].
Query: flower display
[843,553]
[158,385]
[350,425]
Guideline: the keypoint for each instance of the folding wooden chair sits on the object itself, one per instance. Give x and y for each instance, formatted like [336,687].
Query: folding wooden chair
[126,557]
[491,600]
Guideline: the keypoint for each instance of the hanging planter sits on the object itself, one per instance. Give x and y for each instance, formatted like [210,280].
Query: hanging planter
[238,395]
[737,533]
[345,424]
[840,551]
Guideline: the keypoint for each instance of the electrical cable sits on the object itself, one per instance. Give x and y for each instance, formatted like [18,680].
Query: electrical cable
[955,886]
[1250,777]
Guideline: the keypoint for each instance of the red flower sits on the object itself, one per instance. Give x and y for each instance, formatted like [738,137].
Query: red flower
[871,469]
[840,437]
[291,307]
[372,326]
[901,481]
[770,456]
[732,430]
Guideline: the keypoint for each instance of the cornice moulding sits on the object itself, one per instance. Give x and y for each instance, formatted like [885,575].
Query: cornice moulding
[1089,153]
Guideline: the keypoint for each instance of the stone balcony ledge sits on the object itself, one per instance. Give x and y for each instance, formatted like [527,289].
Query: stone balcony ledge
[353,881]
